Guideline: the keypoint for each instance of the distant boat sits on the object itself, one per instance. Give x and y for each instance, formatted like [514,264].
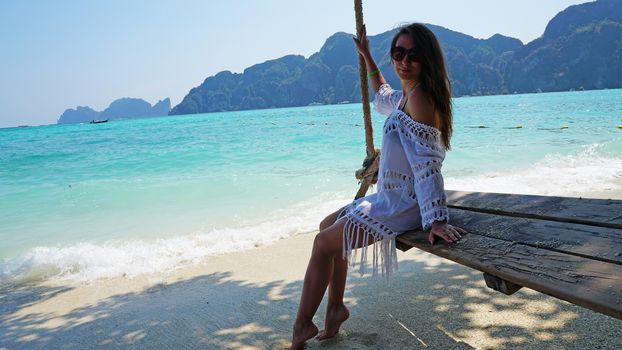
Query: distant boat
[315,104]
[343,102]
[95,121]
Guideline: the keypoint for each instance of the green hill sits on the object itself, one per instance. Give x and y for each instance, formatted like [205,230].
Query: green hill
[581,48]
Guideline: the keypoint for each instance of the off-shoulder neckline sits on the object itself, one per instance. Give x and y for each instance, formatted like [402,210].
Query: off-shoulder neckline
[423,125]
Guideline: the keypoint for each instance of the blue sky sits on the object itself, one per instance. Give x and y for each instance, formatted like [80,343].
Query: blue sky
[66,53]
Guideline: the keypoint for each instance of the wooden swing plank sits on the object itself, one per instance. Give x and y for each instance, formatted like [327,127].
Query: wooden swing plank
[579,263]
[601,212]
[600,243]
[593,284]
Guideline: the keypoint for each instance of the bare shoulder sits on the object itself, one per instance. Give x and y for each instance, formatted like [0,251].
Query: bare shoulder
[419,107]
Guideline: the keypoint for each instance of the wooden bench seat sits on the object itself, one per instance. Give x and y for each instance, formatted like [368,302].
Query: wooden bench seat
[569,248]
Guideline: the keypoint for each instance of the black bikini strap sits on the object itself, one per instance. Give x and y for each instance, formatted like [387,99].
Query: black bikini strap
[405,97]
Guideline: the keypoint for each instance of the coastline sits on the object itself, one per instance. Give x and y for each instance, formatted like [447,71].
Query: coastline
[249,299]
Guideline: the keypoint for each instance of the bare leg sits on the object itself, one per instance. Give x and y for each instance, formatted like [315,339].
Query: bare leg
[330,219]
[320,271]
[336,310]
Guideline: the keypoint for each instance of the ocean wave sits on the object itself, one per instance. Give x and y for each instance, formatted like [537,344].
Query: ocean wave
[89,261]
[588,171]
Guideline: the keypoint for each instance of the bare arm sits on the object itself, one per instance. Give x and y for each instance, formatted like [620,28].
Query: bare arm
[362,45]
[420,108]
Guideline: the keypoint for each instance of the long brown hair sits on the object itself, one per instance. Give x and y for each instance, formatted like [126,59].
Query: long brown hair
[434,79]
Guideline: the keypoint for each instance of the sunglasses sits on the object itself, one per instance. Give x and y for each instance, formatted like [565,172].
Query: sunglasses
[398,53]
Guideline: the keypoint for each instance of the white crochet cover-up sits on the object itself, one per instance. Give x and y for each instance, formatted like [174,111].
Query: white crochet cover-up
[410,186]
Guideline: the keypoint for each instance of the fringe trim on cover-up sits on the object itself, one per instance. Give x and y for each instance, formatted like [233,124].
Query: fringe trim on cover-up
[383,245]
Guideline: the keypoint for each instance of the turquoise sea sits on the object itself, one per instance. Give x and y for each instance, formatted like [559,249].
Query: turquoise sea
[86,201]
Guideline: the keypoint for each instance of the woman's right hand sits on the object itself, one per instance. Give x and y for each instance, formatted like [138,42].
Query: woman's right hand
[362,45]
[450,233]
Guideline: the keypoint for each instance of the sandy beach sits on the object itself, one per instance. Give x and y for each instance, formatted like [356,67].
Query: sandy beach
[164,169]
[248,299]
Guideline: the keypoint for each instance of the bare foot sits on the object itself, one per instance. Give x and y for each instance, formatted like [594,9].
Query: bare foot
[335,316]
[301,334]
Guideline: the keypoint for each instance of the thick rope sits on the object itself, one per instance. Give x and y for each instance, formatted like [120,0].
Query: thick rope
[369,173]
[369,139]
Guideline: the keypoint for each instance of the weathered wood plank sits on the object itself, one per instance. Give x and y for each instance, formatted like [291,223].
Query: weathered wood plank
[501,285]
[593,284]
[603,212]
[600,243]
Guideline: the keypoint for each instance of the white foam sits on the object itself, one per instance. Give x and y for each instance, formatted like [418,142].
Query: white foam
[561,175]
[89,261]
[555,175]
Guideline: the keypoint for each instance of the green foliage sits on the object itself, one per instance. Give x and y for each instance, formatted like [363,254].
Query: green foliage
[581,48]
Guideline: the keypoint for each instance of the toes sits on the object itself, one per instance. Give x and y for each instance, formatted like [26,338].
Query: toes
[323,335]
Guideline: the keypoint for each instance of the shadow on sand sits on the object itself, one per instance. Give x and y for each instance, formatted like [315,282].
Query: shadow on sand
[422,307]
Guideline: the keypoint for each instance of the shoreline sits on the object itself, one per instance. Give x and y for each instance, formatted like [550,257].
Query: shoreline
[92,268]
[248,299]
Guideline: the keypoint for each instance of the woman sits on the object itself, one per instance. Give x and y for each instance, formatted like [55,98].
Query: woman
[410,185]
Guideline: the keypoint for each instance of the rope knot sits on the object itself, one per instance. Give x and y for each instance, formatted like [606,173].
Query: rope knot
[369,172]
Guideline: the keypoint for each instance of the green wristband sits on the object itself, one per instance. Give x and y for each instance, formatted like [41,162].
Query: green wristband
[374,72]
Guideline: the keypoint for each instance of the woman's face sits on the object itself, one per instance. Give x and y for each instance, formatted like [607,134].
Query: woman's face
[405,60]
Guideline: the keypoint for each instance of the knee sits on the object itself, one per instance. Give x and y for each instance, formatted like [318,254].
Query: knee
[318,243]
[321,245]
[329,220]
[325,223]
